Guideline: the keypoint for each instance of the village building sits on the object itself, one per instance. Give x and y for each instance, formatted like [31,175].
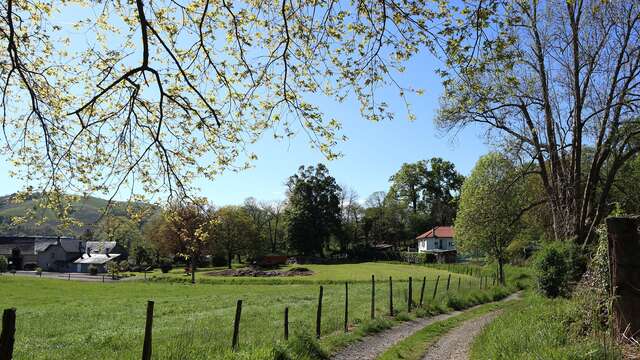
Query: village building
[58,253]
[28,248]
[440,242]
[99,261]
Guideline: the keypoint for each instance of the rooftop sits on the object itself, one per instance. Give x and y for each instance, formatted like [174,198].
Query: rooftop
[438,232]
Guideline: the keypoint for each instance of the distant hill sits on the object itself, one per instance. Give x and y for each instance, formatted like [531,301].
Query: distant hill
[87,211]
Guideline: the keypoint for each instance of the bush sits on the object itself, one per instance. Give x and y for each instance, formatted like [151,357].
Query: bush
[93,270]
[166,265]
[417,258]
[113,268]
[552,269]
[4,264]
[124,265]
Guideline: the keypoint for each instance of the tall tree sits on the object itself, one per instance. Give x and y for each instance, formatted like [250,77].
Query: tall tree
[185,231]
[430,187]
[409,182]
[234,232]
[548,79]
[275,223]
[125,232]
[352,213]
[491,206]
[441,191]
[313,212]
[259,217]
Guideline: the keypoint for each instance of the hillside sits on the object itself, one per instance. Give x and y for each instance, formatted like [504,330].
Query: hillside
[87,211]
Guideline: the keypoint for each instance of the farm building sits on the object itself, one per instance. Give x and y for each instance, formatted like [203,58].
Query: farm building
[59,256]
[57,253]
[440,242]
[100,261]
[28,248]
[105,247]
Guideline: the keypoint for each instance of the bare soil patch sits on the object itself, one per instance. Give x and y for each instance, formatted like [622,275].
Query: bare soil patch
[255,272]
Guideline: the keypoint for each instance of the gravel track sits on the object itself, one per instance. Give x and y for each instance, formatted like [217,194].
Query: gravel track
[372,346]
[456,344]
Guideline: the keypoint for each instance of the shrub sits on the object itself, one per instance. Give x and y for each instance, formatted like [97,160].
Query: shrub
[124,265]
[93,270]
[113,268]
[417,258]
[166,265]
[552,270]
[4,264]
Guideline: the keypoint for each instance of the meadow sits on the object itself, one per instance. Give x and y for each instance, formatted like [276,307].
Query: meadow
[58,319]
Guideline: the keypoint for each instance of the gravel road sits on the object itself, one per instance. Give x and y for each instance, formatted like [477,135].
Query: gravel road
[455,345]
[372,346]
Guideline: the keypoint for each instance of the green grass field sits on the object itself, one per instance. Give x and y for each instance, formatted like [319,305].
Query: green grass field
[60,319]
[323,274]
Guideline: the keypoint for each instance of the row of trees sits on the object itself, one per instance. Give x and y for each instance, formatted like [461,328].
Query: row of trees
[318,217]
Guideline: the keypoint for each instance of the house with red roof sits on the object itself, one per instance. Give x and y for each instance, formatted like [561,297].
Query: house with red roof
[440,242]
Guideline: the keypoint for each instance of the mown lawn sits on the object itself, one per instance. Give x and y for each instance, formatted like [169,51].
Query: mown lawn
[60,319]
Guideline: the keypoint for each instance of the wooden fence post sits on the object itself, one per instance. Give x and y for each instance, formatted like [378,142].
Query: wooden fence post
[390,296]
[424,283]
[435,288]
[236,326]
[624,251]
[346,307]
[448,282]
[286,323]
[410,297]
[319,314]
[7,337]
[373,297]
[148,331]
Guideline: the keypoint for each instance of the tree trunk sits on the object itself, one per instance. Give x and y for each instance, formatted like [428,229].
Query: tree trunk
[229,259]
[193,270]
[501,271]
[624,250]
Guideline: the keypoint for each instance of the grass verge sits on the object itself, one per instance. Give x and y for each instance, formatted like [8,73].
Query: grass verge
[541,328]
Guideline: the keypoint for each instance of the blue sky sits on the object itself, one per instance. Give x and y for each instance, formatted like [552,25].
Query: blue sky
[372,154]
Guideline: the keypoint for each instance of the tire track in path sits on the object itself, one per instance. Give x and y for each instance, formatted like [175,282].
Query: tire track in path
[372,346]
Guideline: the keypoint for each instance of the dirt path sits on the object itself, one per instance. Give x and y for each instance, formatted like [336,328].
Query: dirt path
[456,344]
[372,346]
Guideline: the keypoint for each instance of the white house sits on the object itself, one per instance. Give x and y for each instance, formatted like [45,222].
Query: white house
[439,241]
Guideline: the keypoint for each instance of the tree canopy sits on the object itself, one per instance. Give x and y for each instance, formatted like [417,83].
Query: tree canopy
[313,213]
[549,80]
[430,187]
[491,206]
[152,89]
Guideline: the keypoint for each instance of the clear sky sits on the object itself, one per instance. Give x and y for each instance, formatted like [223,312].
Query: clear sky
[372,154]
